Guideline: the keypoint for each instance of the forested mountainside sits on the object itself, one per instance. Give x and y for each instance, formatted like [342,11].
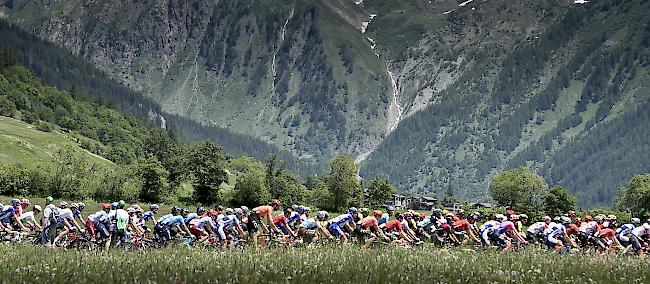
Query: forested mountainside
[84,81]
[427,93]
[570,101]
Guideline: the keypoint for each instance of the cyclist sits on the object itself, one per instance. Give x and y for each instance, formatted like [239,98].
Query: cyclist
[386,216]
[394,228]
[489,228]
[636,238]
[255,220]
[49,222]
[556,236]
[204,226]
[535,233]
[29,219]
[67,221]
[623,232]
[99,223]
[311,228]
[342,224]
[228,222]
[8,216]
[281,222]
[465,228]
[368,227]
[151,214]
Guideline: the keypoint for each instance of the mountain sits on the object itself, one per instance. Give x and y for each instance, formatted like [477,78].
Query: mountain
[62,69]
[429,93]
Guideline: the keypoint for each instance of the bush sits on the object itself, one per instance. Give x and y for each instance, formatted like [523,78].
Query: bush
[44,126]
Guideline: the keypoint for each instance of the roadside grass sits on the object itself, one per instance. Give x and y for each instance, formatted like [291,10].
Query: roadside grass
[326,264]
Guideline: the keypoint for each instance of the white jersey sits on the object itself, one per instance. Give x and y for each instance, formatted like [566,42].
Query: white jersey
[99,217]
[202,222]
[641,231]
[66,214]
[588,227]
[228,221]
[28,216]
[537,228]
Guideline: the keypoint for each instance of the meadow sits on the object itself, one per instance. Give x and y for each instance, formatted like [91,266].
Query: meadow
[325,264]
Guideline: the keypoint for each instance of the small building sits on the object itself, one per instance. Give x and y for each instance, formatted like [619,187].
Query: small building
[479,205]
[422,203]
[453,207]
[398,201]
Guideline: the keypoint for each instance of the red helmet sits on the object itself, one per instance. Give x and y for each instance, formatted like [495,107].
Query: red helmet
[212,213]
[377,213]
[276,202]
[106,206]
[510,212]
[25,202]
[588,218]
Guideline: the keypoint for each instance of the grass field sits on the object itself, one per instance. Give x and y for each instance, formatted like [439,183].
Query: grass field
[321,264]
[24,144]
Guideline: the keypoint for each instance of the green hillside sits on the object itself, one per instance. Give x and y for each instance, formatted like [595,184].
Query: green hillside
[24,144]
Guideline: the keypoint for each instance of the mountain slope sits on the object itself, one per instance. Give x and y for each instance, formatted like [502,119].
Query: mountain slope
[296,73]
[427,93]
[557,102]
[67,72]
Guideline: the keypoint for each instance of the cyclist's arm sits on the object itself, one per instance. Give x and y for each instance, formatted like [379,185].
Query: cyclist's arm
[291,232]
[269,220]
[471,234]
[17,219]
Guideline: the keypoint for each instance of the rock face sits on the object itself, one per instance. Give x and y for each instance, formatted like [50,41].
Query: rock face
[426,92]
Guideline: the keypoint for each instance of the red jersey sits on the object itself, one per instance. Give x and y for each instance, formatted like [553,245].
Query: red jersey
[368,222]
[394,225]
[277,220]
[462,225]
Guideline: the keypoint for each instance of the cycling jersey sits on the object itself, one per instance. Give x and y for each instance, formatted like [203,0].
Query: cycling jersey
[122,218]
[384,218]
[190,217]
[369,222]
[7,214]
[202,222]
[623,233]
[405,225]
[264,211]
[342,219]
[164,218]
[149,215]
[462,225]
[280,220]
[426,224]
[554,233]
[641,231]
[228,221]
[175,221]
[394,225]
[537,228]
[588,228]
[294,217]
[309,224]
[489,225]
[507,226]
[28,216]
[66,214]
[99,217]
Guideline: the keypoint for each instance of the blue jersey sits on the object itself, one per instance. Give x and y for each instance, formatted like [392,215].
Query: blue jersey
[164,218]
[555,229]
[383,219]
[7,214]
[190,217]
[625,229]
[149,215]
[175,221]
[341,220]
[295,216]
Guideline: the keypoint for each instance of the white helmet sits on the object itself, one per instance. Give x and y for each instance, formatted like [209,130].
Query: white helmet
[611,217]
[546,219]
[500,217]
[38,207]
[635,221]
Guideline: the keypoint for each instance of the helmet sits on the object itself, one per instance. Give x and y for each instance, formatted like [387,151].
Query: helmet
[476,216]
[407,215]
[307,209]
[276,202]
[364,211]
[523,216]
[321,215]
[352,210]
[599,218]
[38,207]
[295,207]
[184,211]
[130,210]
[15,202]
[238,211]
[611,217]
[212,213]
[106,206]
[174,210]
[114,205]
[460,212]
[514,217]
[229,211]
[300,209]
[500,217]
[390,208]
[571,213]
[25,202]
[74,205]
[566,220]
[62,204]
[588,218]
[81,205]
[200,211]
[153,207]
[377,213]
[244,208]
[557,219]
[445,212]
[140,210]
[510,212]
[219,208]
[546,219]
[635,221]
[436,211]
[49,199]
[121,203]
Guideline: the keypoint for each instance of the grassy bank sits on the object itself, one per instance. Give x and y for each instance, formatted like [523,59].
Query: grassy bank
[323,264]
